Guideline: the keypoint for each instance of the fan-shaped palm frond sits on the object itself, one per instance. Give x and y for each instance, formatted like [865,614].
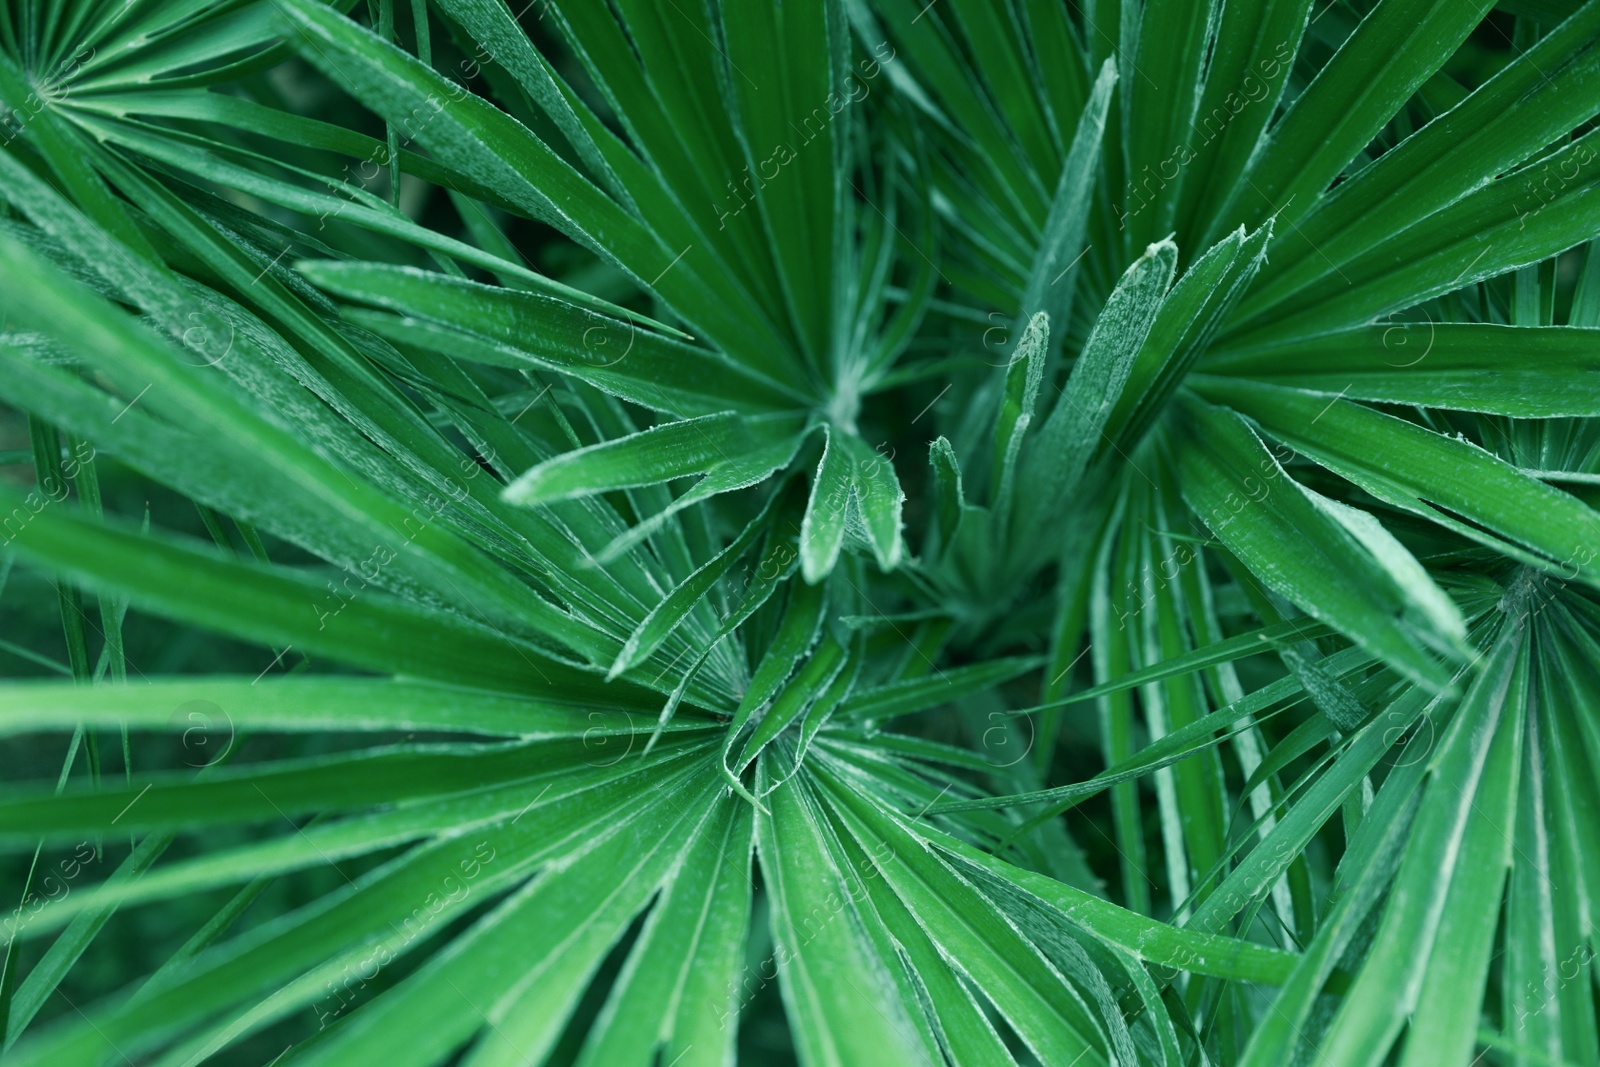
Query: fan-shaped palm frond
[539,397]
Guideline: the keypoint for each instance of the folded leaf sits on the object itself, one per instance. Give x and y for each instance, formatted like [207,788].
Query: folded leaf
[1296,548]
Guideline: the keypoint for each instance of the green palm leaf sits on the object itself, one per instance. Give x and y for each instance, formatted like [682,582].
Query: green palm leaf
[491,436]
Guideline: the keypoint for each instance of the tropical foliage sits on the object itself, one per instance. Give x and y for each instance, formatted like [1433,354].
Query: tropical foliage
[994,532]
